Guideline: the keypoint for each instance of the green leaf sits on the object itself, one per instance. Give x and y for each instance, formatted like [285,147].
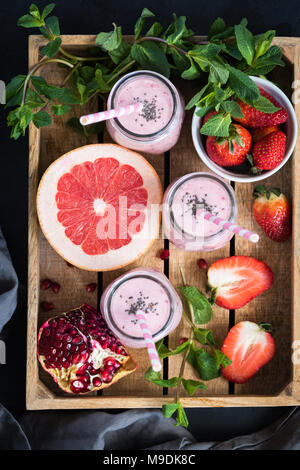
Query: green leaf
[53,25]
[119,54]
[218,26]
[163,351]
[179,31]
[110,41]
[203,110]
[155,378]
[169,409]
[141,21]
[41,119]
[232,50]
[221,358]
[192,72]
[47,10]
[28,21]
[19,119]
[34,11]
[155,30]
[233,108]
[80,84]
[269,60]
[193,101]
[52,47]
[204,336]
[64,95]
[33,99]
[217,125]
[218,72]
[242,85]
[245,42]
[264,104]
[149,56]
[192,385]
[181,61]
[102,85]
[201,307]
[14,87]
[60,109]
[181,418]
[263,42]
[204,363]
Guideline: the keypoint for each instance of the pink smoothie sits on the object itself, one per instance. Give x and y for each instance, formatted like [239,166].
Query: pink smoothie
[195,196]
[154,129]
[157,103]
[142,294]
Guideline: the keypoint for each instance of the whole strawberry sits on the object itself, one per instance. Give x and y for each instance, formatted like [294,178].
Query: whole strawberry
[232,150]
[272,211]
[269,152]
[260,133]
[254,118]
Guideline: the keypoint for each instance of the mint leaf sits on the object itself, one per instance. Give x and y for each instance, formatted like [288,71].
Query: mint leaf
[202,311]
[263,42]
[192,385]
[33,99]
[192,72]
[155,378]
[204,363]
[13,88]
[233,108]
[149,56]
[60,109]
[218,72]
[119,54]
[53,24]
[29,21]
[181,418]
[217,27]
[141,21]
[221,358]
[169,409]
[268,61]
[193,102]
[52,47]
[163,351]
[204,336]
[34,11]
[64,95]
[155,30]
[245,42]
[242,85]
[179,31]
[41,119]
[217,125]
[47,10]
[264,104]
[19,119]
[110,41]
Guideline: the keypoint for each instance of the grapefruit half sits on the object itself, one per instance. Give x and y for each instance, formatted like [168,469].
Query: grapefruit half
[99,206]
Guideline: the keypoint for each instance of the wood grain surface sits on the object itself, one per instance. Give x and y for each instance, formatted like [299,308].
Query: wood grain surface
[278,384]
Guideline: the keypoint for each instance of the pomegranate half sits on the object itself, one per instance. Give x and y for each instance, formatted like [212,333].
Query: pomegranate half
[81,353]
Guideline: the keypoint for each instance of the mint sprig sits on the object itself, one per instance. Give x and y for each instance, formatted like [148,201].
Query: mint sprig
[224,62]
[206,363]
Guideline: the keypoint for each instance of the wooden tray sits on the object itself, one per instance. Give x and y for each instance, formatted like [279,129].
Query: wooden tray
[279,382]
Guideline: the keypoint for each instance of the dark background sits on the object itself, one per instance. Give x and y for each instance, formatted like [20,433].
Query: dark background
[91,17]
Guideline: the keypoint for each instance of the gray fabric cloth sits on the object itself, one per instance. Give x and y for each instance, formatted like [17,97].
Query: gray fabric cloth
[129,430]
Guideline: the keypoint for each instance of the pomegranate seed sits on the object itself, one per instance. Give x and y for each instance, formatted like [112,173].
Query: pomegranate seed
[93,371]
[91,287]
[117,365]
[182,340]
[109,361]
[164,254]
[46,332]
[202,264]
[45,284]
[46,306]
[84,378]
[77,386]
[97,382]
[81,369]
[106,376]
[55,287]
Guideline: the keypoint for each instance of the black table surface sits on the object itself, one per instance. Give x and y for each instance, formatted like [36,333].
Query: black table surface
[91,17]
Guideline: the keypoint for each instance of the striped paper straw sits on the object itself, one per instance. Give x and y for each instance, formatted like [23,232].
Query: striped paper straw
[110,114]
[154,359]
[242,232]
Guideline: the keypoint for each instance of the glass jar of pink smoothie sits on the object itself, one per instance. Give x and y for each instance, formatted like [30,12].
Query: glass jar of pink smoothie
[154,129]
[185,201]
[144,289]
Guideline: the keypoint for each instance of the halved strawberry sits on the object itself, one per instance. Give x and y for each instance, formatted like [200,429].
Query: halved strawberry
[249,346]
[238,279]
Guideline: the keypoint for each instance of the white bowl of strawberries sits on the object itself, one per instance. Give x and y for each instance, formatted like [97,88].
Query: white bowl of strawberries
[259,144]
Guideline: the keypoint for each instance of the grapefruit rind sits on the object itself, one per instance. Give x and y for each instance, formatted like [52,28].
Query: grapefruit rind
[54,231]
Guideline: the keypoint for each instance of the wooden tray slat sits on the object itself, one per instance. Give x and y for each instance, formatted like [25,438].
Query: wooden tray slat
[280,305]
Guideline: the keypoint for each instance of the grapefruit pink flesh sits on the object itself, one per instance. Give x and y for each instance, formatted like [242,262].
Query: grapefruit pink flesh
[97,206]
